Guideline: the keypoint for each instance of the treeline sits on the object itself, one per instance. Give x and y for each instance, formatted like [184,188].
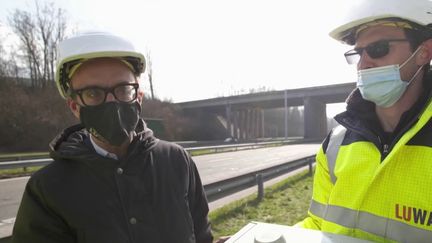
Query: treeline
[30,117]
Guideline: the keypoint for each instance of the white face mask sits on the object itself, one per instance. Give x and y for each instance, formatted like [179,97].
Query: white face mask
[383,85]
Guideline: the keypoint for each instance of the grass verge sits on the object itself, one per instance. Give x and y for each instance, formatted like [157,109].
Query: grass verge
[285,203]
[8,156]
[201,152]
[11,173]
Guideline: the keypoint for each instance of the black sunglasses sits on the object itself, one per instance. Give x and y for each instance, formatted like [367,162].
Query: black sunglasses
[374,50]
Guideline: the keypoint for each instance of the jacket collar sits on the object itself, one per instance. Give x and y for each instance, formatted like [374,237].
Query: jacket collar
[74,142]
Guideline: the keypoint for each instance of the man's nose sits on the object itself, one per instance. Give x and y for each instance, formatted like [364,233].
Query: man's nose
[365,61]
[110,97]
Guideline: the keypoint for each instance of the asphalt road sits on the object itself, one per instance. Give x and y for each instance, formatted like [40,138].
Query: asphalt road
[212,167]
[10,196]
[219,166]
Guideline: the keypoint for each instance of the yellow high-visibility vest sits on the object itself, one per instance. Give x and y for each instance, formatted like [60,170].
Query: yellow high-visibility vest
[356,193]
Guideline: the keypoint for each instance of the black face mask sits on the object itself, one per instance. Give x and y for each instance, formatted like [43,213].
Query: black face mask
[111,122]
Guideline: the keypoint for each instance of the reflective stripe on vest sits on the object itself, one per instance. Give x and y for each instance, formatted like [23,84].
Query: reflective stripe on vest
[377,225]
[335,142]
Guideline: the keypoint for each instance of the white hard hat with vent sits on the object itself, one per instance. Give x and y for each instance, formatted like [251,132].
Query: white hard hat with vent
[366,11]
[90,45]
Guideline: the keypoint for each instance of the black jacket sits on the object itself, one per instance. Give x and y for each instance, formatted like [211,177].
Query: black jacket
[152,195]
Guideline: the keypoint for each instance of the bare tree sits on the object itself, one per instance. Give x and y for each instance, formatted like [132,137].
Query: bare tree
[24,27]
[150,73]
[39,34]
[14,71]
[44,24]
[8,65]
[51,25]
[59,34]
[3,62]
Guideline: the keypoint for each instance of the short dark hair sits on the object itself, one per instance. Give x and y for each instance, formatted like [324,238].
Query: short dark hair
[416,37]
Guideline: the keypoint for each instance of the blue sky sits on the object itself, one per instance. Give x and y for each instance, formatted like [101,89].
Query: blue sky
[204,49]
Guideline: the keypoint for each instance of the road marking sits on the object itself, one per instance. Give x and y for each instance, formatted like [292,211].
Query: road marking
[6,228]
[8,221]
[221,159]
[15,179]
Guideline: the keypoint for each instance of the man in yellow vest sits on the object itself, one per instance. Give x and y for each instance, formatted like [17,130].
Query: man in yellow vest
[373,178]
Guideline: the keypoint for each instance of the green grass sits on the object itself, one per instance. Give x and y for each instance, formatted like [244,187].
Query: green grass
[273,145]
[4,156]
[284,203]
[10,173]
[201,152]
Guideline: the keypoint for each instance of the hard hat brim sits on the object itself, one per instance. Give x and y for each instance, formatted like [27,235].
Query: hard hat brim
[61,77]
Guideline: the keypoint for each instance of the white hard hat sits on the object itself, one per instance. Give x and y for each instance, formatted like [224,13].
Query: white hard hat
[366,11]
[90,45]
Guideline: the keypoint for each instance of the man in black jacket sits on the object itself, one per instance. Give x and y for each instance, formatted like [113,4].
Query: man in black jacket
[111,180]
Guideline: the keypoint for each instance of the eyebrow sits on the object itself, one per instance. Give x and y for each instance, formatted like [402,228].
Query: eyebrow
[100,87]
[373,42]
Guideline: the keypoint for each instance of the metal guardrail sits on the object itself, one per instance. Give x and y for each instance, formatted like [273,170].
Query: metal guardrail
[15,157]
[24,163]
[23,157]
[13,163]
[232,185]
[213,190]
[235,147]
[45,161]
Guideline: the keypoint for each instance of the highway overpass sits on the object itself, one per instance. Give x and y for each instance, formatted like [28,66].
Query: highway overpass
[244,117]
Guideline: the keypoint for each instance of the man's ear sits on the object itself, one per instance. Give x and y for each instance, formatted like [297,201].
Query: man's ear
[425,55]
[74,107]
[140,95]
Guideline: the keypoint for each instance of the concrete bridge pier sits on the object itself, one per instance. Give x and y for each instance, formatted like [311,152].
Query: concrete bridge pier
[228,120]
[315,119]
[236,132]
[244,124]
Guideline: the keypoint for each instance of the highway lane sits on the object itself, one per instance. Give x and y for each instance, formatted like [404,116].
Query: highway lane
[216,167]
[212,167]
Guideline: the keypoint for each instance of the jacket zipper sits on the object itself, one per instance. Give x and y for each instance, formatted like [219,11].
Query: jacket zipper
[385,150]
[410,124]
